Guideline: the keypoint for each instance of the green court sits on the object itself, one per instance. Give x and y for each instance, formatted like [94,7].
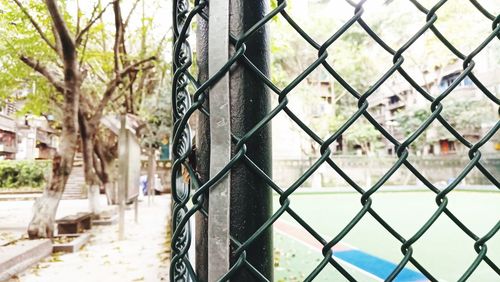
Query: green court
[444,250]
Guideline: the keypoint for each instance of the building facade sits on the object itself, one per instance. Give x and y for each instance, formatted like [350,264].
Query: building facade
[8,137]
[397,99]
[26,137]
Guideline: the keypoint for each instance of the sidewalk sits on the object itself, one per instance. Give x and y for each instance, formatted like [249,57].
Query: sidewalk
[19,196]
[140,257]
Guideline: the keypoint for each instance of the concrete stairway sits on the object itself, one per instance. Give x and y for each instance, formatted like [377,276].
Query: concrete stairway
[76,182]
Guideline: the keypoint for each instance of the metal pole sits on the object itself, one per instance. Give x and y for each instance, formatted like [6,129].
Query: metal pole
[151,175]
[251,199]
[136,210]
[122,184]
[220,141]
[202,156]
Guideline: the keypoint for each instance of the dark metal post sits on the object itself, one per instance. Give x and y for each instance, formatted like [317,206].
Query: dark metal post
[251,199]
[202,152]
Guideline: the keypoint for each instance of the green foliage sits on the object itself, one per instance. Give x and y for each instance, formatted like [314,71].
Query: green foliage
[361,133]
[19,174]
[461,24]
[350,56]
[359,60]
[467,114]
[464,116]
[157,113]
[144,38]
[18,37]
[410,121]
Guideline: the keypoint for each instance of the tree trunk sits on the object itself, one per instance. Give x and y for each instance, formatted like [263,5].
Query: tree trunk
[42,224]
[106,163]
[87,134]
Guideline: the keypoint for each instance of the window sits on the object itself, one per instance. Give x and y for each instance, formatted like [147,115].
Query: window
[447,80]
[394,99]
[447,146]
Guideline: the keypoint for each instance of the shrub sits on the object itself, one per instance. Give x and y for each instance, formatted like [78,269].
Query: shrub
[17,174]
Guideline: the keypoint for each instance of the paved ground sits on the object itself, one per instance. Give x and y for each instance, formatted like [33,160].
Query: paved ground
[140,257]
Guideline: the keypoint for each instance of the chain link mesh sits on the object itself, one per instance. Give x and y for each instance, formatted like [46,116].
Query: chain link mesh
[186,104]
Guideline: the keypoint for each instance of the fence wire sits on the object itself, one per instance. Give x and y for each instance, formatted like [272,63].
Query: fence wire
[186,104]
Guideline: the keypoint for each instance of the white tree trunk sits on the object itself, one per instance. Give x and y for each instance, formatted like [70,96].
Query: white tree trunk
[44,212]
[42,224]
[151,174]
[94,204]
[111,193]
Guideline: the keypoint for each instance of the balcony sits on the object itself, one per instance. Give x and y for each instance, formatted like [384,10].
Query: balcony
[44,136]
[5,148]
[7,123]
[396,105]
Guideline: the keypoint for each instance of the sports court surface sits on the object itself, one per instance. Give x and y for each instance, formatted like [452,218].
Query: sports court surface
[369,252]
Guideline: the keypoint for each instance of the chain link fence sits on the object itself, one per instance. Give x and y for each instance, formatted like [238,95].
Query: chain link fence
[189,100]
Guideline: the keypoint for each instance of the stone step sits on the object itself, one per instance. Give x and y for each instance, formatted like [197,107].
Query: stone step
[75,184]
[17,257]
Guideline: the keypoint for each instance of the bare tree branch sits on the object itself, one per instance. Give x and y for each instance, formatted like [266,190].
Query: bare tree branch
[103,32]
[85,42]
[35,25]
[130,13]
[118,97]
[133,78]
[162,41]
[67,43]
[118,35]
[57,40]
[113,84]
[78,18]
[91,22]
[35,65]
[133,67]
[100,77]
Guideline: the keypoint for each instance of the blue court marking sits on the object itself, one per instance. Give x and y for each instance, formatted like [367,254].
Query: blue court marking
[377,266]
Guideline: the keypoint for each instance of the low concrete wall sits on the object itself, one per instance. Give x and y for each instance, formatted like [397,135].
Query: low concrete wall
[16,258]
[365,171]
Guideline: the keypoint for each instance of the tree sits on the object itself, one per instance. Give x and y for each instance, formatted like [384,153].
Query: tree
[462,115]
[125,72]
[350,55]
[65,50]
[361,133]
[81,80]
[157,114]
[428,58]
[409,121]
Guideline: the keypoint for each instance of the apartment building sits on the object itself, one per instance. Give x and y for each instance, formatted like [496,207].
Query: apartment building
[398,97]
[8,137]
[26,137]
